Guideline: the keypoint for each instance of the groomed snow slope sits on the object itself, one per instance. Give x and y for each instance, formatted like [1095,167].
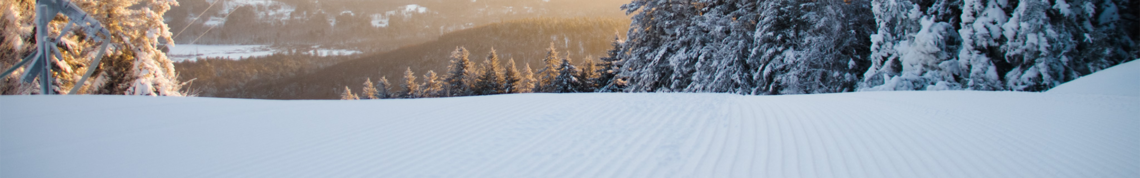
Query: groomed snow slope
[1123,79]
[871,134]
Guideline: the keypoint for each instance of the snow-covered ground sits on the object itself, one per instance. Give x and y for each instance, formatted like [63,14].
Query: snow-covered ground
[1078,131]
[182,52]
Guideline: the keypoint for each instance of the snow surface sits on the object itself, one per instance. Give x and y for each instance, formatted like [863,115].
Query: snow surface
[1123,79]
[182,52]
[1079,133]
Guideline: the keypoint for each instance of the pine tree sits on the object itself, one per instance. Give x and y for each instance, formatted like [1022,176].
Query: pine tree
[347,95]
[458,76]
[812,47]
[746,47]
[369,90]
[660,39]
[587,75]
[1051,42]
[566,80]
[1035,48]
[411,88]
[511,78]
[609,67]
[894,23]
[913,49]
[432,85]
[528,84]
[545,76]
[489,80]
[385,89]
[981,32]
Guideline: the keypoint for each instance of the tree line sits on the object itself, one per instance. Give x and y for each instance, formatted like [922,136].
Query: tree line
[798,47]
[464,77]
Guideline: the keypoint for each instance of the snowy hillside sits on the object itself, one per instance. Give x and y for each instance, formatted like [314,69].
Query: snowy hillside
[1076,133]
[1120,80]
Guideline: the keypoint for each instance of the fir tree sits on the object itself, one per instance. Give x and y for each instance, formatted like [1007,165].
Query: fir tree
[894,24]
[587,75]
[746,47]
[347,95]
[369,90]
[411,88]
[489,80]
[528,84]
[981,39]
[511,78]
[385,89]
[1035,48]
[545,76]
[566,80]
[432,85]
[458,76]
[609,67]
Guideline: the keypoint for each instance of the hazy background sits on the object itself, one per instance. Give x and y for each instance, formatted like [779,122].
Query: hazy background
[383,39]
[370,25]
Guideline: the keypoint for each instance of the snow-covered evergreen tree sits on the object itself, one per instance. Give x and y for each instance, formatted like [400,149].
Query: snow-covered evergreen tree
[811,47]
[1115,32]
[528,84]
[587,75]
[980,58]
[566,81]
[1027,46]
[369,90]
[609,68]
[896,20]
[511,78]
[1036,49]
[654,34]
[747,47]
[411,88]
[432,86]
[545,76]
[458,75]
[490,79]
[384,88]
[913,49]
[1051,42]
[347,94]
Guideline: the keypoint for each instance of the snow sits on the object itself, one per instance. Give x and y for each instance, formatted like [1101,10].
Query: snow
[1124,80]
[1076,130]
[214,21]
[378,20]
[267,10]
[415,8]
[183,52]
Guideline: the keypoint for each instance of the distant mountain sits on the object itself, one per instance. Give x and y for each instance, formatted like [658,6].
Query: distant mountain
[523,40]
[358,22]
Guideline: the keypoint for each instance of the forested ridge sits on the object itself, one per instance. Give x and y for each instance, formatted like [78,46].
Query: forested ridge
[727,46]
[799,47]
[526,41]
[795,46]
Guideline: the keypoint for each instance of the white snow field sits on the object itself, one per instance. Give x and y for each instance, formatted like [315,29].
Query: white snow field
[1081,132]
[182,52]
[193,52]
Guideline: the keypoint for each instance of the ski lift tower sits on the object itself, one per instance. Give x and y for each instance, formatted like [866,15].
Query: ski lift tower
[41,57]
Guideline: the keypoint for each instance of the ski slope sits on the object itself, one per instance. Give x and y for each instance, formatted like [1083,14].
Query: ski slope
[1075,133]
